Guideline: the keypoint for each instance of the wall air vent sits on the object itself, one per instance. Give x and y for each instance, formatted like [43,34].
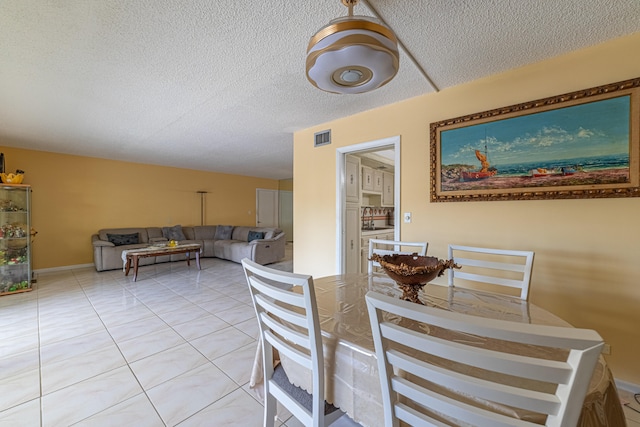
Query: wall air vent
[322,138]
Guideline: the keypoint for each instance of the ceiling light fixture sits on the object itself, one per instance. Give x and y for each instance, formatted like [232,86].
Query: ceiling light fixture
[352,54]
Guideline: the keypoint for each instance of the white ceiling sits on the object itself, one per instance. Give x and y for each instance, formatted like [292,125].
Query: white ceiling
[221,86]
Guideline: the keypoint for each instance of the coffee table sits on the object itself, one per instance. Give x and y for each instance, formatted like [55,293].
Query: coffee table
[133,256]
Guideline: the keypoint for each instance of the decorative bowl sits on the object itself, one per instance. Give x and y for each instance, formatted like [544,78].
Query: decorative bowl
[12,178]
[412,272]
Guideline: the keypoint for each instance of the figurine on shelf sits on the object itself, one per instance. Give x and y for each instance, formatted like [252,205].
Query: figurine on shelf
[15,231]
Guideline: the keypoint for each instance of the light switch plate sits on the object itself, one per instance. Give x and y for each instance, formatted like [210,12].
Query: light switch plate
[407,217]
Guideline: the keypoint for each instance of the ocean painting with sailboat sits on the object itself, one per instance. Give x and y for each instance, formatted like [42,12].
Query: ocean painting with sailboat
[579,145]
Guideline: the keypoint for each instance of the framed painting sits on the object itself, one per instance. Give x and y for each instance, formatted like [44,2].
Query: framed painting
[583,144]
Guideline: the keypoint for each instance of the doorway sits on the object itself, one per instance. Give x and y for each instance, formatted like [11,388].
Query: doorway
[266,208]
[342,229]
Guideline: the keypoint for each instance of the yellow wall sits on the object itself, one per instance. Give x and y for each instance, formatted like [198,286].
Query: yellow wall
[586,267]
[285,185]
[73,197]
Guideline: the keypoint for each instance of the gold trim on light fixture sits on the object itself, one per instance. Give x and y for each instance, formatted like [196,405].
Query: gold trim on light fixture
[351,25]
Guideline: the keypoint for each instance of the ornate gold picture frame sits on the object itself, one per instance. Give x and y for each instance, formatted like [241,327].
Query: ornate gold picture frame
[583,144]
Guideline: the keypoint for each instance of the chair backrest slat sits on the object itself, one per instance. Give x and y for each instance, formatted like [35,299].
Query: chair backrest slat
[431,361]
[286,350]
[301,339]
[269,305]
[279,293]
[388,247]
[501,267]
[505,363]
[513,396]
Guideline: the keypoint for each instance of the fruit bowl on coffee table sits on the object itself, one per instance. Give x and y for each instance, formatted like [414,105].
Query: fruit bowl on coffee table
[412,272]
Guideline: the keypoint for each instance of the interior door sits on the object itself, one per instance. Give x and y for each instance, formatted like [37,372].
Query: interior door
[266,208]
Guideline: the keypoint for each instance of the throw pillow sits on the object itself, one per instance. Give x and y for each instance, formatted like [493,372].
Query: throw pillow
[124,239]
[223,232]
[173,233]
[254,235]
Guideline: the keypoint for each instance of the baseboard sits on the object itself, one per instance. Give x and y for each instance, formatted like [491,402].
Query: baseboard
[63,268]
[627,386]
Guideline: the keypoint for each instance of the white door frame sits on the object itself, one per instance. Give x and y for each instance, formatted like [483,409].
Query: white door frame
[285,219]
[274,208]
[341,203]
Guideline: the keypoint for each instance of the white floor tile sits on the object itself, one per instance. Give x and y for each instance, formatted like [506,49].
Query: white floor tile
[24,415]
[181,397]
[221,342]
[71,327]
[200,327]
[180,316]
[632,407]
[79,401]
[19,363]
[167,364]
[19,343]
[19,388]
[79,367]
[75,346]
[249,327]
[220,304]
[146,345]
[237,314]
[235,409]
[127,331]
[235,364]
[136,411]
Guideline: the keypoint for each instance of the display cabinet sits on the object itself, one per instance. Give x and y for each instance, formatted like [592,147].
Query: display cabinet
[15,238]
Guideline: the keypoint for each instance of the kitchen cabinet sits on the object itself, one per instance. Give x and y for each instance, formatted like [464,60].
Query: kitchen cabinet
[352,238]
[352,179]
[388,189]
[367,178]
[15,238]
[377,181]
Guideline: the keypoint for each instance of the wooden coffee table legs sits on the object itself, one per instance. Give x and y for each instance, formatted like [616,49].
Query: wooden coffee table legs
[134,259]
[197,259]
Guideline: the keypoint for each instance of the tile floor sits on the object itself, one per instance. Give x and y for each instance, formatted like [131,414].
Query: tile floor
[174,348]
[96,349]
[631,409]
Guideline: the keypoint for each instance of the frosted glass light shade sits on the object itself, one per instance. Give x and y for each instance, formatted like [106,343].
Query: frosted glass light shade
[352,55]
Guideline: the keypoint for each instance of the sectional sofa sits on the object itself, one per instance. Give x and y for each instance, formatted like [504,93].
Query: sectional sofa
[263,245]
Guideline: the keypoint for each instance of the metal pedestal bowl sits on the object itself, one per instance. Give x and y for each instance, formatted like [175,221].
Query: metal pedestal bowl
[412,272]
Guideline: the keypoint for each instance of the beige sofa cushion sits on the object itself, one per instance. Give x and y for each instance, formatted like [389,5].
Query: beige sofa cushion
[204,232]
[142,232]
[242,232]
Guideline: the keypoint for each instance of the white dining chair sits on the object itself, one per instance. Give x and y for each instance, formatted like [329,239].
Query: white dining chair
[504,268]
[388,247]
[285,306]
[456,377]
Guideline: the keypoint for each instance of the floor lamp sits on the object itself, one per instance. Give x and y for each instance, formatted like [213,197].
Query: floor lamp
[202,193]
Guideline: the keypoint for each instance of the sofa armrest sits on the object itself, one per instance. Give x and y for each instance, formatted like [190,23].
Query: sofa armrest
[280,236]
[95,241]
[266,251]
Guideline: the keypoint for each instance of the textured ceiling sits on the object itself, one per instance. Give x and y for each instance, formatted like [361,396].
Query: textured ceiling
[220,86]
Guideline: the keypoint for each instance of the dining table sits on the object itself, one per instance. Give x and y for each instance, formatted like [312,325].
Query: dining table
[352,382]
